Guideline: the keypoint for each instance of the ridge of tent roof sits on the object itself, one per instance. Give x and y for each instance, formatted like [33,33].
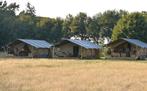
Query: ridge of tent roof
[84,43]
[37,43]
[136,42]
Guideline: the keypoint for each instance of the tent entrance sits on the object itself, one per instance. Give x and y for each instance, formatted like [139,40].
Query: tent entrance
[25,51]
[128,49]
[75,51]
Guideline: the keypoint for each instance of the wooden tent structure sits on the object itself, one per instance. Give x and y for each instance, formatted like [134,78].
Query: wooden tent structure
[124,47]
[29,48]
[76,48]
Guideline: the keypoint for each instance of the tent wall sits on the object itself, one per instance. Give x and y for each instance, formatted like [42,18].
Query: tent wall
[40,52]
[67,50]
[124,50]
[89,53]
[33,52]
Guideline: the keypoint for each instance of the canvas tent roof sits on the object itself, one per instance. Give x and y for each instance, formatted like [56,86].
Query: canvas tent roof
[36,43]
[132,41]
[136,42]
[83,43]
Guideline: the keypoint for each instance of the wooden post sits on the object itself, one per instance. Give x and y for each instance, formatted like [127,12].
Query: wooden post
[91,53]
[32,53]
[144,51]
[5,51]
[53,51]
[81,53]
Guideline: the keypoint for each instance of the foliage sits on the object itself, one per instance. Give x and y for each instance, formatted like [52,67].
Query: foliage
[97,28]
[133,25]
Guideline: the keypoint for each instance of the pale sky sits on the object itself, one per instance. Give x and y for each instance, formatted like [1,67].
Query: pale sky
[61,8]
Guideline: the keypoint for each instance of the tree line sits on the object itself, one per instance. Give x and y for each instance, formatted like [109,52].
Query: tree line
[111,25]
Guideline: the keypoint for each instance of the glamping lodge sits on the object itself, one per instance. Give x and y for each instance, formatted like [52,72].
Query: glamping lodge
[30,48]
[131,48]
[76,48]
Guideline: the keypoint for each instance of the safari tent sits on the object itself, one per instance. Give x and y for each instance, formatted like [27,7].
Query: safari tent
[30,48]
[76,48]
[124,47]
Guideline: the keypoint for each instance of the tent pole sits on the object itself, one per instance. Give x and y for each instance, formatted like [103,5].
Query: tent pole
[53,52]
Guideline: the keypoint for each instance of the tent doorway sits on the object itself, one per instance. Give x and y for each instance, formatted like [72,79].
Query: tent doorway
[75,51]
[25,51]
[128,49]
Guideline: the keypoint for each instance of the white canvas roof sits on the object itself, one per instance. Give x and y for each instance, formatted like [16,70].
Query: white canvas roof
[136,42]
[36,43]
[84,43]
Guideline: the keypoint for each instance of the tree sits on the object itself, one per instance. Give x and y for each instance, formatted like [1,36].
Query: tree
[66,30]
[78,25]
[7,21]
[30,9]
[28,25]
[107,21]
[55,33]
[133,25]
[13,7]
[93,29]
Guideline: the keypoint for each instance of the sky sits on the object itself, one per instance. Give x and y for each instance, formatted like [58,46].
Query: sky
[61,8]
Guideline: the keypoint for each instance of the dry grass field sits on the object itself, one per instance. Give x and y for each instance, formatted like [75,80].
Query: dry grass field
[72,75]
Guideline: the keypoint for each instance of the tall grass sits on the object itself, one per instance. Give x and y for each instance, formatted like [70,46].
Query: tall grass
[72,75]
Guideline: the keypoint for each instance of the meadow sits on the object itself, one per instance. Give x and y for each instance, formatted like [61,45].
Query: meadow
[72,75]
